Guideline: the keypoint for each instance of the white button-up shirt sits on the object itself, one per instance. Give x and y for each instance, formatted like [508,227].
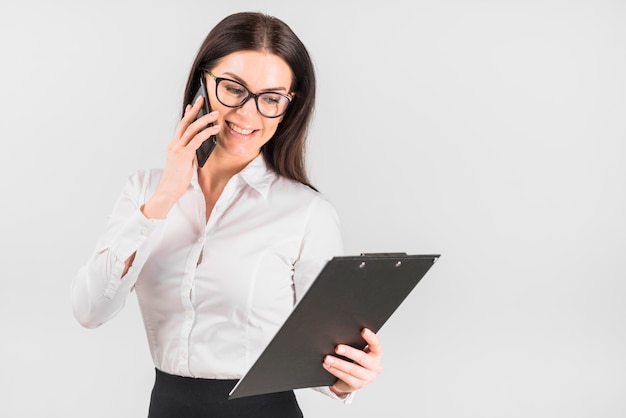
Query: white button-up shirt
[212,295]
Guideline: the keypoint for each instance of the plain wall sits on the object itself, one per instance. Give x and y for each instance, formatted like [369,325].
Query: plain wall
[491,132]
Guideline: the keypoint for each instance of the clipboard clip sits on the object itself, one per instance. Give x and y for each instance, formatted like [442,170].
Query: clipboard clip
[378,255]
[365,256]
[382,254]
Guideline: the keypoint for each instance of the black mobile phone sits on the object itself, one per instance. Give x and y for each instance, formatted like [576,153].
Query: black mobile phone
[207,146]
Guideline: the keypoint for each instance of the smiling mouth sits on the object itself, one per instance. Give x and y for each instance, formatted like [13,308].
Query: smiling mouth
[240,130]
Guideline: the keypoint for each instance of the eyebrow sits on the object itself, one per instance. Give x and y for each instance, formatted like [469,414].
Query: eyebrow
[240,80]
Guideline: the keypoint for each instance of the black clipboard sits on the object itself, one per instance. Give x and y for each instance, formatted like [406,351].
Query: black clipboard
[349,294]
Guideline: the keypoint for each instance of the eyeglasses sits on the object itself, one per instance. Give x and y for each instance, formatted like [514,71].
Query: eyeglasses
[231,93]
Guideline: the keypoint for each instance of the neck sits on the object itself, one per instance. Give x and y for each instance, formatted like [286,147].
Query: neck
[219,169]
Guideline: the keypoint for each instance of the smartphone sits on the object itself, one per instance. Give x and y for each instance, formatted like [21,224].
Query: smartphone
[207,146]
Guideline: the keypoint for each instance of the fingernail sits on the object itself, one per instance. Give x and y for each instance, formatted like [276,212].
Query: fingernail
[341,349]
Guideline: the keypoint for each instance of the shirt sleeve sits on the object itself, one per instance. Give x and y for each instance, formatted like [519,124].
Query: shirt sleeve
[98,291]
[322,241]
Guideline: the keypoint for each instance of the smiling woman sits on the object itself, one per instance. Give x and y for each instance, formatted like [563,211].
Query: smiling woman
[218,255]
[247,125]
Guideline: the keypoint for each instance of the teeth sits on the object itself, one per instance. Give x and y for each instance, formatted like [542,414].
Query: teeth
[239,130]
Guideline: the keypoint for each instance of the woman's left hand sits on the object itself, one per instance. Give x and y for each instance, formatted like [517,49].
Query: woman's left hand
[366,364]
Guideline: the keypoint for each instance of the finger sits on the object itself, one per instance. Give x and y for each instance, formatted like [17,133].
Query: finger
[199,127]
[347,369]
[369,363]
[190,115]
[351,376]
[202,122]
[197,140]
[368,360]
[374,345]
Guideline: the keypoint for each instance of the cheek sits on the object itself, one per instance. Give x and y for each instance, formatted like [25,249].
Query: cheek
[269,130]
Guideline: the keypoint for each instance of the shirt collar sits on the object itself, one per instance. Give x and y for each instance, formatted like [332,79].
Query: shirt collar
[257,174]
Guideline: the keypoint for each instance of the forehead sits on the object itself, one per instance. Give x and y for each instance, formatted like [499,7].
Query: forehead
[259,70]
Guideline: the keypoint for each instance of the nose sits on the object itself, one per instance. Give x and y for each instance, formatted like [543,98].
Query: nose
[248,109]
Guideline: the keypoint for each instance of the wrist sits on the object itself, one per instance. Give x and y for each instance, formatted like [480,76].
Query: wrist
[339,393]
[157,207]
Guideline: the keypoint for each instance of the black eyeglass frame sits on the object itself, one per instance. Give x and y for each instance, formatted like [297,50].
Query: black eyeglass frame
[218,80]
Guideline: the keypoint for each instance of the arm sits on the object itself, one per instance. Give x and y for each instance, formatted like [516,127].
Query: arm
[322,242]
[100,289]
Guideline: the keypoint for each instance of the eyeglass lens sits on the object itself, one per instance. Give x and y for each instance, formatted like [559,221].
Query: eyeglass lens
[233,94]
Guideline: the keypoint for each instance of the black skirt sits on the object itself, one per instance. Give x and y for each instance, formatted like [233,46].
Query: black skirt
[188,397]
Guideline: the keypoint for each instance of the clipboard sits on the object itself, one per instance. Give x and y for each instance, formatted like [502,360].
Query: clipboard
[349,294]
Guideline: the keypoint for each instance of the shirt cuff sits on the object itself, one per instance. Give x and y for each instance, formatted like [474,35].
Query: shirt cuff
[137,229]
[346,399]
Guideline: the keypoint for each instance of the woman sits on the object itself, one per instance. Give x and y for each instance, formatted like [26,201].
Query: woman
[219,255]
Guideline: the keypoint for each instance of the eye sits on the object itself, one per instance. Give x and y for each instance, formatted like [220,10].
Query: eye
[272,99]
[234,89]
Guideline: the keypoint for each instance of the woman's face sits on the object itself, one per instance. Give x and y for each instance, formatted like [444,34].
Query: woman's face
[244,130]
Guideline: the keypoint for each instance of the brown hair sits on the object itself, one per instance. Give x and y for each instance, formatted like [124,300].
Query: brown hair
[251,31]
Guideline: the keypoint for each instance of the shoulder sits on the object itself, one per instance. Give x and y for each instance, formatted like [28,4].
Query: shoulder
[299,193]
[295,200]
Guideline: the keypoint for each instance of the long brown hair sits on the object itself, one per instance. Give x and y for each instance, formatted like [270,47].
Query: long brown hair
[252,31]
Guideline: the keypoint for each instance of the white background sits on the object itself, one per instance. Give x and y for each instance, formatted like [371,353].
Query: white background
[492,132]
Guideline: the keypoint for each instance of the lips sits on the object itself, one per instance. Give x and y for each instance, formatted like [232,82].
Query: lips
[239,129]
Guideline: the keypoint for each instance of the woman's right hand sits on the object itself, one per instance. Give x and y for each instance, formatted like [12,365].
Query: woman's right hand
[181,160]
